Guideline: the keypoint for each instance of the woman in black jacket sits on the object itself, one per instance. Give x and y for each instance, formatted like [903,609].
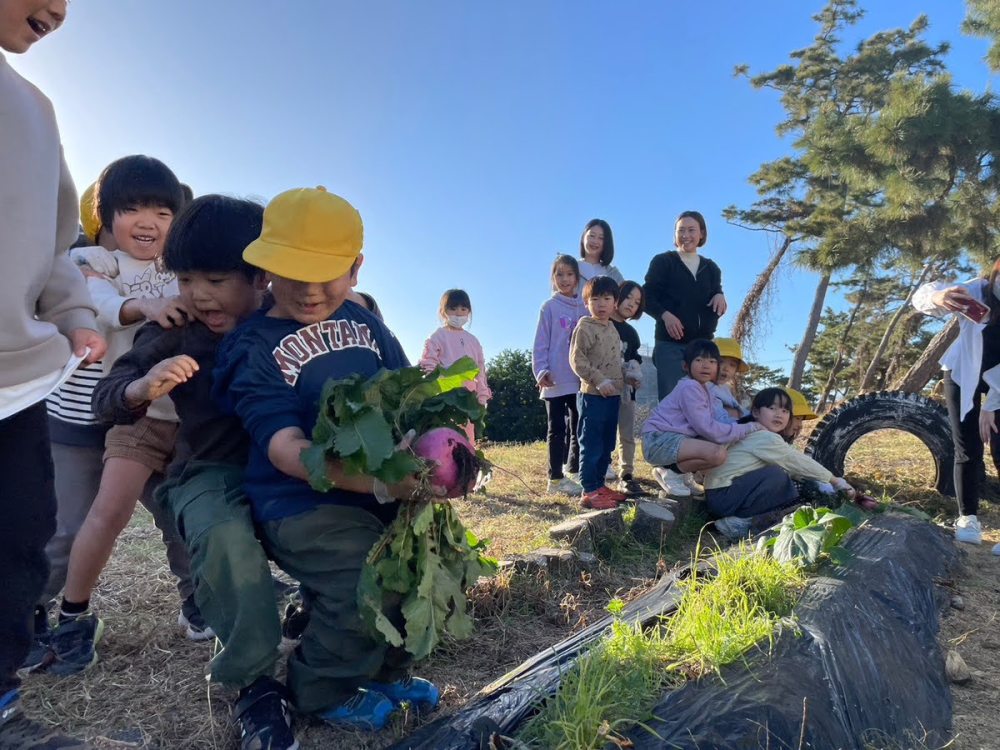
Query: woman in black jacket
[684,296]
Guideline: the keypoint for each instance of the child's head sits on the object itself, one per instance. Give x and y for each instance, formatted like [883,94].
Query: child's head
[137,198]
[24,22]
[690,232]
[701,360]
[601,294]
[455,308]
[631,300]
[772,407]
[310,248]
[205,250]
[731,360]
[565,275]
[596,243]
[800,411]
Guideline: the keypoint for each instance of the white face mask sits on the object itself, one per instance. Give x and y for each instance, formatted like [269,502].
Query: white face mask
[457,321]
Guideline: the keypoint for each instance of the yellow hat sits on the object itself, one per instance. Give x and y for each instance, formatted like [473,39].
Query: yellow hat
[88,214]
[309,235]
[800,407]
[731,348]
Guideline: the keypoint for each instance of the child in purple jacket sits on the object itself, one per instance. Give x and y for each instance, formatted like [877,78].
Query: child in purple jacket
[557,382]
[682,434]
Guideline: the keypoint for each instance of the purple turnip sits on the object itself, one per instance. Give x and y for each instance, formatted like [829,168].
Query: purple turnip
[452,457]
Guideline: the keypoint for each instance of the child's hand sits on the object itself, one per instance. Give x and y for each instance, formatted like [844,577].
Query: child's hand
[673,325]
[607,388]
[839,483]
[407,490]
[546,381]
[82,339]
[162,378]
[987,425]
[718,304]
[167,311]
[97,258]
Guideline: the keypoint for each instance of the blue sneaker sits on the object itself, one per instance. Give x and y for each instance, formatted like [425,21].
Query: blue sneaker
[73,643]
[422,694]
[41,645]
[365,710]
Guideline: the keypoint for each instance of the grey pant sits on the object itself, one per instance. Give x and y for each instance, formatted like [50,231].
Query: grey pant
[78,477]
[668,357]
[626,434]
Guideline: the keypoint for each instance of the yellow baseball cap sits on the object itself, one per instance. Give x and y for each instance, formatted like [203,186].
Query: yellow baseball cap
[88,215]
[309,234]
[800,407]
[731,348]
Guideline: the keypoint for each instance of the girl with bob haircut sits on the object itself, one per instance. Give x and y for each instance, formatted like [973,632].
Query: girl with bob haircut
[756,477]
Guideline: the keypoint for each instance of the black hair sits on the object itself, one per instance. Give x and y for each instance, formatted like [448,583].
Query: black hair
[211,233]
[599,286]
[696,215]
[565,260]
[453,298]
[187,192]
[135,181]
[772,397]
[608,251]
[700,348]
[626,289]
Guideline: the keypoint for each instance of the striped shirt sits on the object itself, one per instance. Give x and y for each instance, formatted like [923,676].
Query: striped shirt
[71,402]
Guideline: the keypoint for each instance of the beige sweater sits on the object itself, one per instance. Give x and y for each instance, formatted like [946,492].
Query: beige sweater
[42,294]
[595,354]
[760,449]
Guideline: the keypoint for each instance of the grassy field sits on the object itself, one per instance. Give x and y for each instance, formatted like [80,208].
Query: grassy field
[149,687]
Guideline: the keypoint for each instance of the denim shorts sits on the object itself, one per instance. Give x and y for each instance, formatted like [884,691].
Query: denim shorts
[661,448]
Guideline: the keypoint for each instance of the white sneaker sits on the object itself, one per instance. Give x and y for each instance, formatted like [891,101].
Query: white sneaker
[564,486]
[611,473]
[692,484]
[996,549]
[733,527]
[671,482]
[968,530]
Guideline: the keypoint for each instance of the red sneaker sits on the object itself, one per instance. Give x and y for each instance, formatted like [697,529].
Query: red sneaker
[598,500]
[618,497]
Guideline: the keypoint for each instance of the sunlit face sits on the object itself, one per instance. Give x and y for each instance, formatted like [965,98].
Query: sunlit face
[309,302]
[24,22]
[601,306]
[704,369]
[593,243]
[773,418]
[565,280]
[728,367]
[687,235]
[628,306]
[793,429]
[141,231]
[219,299]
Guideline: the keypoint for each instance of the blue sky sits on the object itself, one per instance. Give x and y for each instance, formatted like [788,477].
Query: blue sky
[475,138]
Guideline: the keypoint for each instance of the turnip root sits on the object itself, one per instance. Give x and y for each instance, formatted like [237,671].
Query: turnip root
[454,465]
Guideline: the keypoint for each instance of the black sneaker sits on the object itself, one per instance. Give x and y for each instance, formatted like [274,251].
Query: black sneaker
[263,717]
[629,486]
[18,732]
[41,645]
[195,627]
[294,623]
[73,645]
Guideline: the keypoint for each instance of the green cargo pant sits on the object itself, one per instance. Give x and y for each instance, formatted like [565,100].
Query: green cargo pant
[232,579]
[325,549]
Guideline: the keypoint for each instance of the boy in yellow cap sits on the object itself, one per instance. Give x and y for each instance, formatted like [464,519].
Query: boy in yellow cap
[726,390]
[801,411]
[270,372]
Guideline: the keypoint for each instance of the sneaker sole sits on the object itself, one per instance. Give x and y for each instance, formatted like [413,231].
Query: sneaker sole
[69,670]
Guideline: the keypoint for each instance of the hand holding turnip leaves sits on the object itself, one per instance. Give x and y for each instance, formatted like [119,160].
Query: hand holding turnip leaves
[426,558]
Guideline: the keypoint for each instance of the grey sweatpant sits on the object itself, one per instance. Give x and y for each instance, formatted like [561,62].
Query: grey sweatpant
[78,477]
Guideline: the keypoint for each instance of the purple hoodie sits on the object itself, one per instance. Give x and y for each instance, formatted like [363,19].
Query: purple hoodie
[687,410]
[556,322]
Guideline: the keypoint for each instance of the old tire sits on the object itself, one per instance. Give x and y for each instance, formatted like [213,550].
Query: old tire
[918,415]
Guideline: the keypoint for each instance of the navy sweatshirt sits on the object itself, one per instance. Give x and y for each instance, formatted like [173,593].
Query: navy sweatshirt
[271,371]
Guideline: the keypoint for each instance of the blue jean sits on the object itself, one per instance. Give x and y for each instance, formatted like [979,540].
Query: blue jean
[598,430]
[668,357]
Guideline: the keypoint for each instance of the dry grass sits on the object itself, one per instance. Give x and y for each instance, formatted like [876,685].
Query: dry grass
[149,684]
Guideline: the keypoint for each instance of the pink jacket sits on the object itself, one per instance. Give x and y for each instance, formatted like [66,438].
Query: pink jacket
[446,346]
[687,410]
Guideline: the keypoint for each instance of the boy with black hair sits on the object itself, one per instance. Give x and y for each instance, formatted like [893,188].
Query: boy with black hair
[595,354]
[270,372]
[204,490]
[45,317]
